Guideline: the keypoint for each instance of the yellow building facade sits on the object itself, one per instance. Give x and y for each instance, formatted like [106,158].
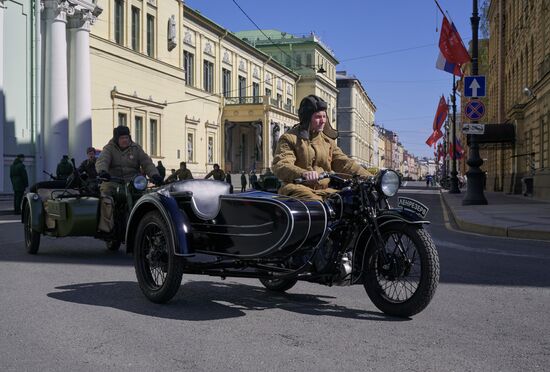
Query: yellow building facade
[519,93]
[188,89]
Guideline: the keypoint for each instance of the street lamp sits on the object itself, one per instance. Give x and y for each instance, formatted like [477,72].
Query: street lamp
[476,178]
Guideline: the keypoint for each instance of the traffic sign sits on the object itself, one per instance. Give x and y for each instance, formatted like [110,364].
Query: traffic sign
[475,109]
[473,128]
[474,86]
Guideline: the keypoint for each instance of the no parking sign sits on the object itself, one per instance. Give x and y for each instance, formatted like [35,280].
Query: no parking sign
[475,109]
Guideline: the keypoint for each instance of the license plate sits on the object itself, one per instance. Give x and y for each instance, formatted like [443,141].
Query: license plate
[413,205]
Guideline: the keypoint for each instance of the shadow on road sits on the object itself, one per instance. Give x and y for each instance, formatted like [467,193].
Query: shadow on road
[202,300]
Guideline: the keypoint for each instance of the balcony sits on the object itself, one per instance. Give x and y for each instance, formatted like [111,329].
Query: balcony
[256,100]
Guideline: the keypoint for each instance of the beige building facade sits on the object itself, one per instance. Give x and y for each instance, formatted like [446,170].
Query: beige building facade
[519,93]
[355,115]
[188,89]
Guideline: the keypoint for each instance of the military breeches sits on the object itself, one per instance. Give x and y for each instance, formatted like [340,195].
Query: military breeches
[305,192]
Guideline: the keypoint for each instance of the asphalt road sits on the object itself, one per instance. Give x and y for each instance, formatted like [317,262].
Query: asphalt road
[75,306]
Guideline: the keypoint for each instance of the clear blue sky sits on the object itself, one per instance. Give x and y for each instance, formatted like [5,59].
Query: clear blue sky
[405,86]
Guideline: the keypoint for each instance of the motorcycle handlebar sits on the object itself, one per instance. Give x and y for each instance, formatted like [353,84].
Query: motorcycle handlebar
[322,176]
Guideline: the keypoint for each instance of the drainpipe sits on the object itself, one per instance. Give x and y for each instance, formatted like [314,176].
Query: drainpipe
[37,126]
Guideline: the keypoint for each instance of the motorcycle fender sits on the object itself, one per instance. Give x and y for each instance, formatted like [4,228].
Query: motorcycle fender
[386,217]
[37,211]
[399,215]
[176,220]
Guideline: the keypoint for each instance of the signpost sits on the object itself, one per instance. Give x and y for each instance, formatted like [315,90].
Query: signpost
[474,86]
[473,128]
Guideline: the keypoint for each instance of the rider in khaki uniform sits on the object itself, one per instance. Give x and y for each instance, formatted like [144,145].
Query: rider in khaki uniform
[181,174]
[216,173]
[121,158]
[309,149]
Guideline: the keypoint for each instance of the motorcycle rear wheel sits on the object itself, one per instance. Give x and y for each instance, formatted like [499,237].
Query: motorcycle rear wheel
[158,270]
[32,238]
[278,285]
[404,286]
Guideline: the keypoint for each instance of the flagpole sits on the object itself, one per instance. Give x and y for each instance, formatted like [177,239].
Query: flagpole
[476,177]
[439,6]
[454,179]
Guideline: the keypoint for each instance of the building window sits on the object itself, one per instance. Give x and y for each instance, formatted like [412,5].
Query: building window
[135,29]
[256,92]
[208,78]
[210,150]
[119,21]
[242,88]
[190,147]
[279,97]
[138,130]
[189,67]
[122,119]
[268,92]
[150,35]
[226,82]
[154,136]
[308,60]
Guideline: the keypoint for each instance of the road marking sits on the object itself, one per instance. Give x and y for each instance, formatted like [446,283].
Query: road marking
[9,221]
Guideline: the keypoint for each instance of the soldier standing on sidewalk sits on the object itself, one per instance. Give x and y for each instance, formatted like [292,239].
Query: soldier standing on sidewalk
[19,182]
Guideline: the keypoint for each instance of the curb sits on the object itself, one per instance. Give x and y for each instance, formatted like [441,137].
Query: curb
[507,232]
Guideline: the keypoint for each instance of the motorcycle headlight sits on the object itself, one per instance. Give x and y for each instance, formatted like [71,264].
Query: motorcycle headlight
[140,183]
[388,182]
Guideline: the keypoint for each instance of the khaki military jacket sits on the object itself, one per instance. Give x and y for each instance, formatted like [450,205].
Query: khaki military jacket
[218,175]
[125,163]
[181,174]
[297,153]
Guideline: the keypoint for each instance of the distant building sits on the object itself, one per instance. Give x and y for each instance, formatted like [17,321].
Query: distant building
[358,135]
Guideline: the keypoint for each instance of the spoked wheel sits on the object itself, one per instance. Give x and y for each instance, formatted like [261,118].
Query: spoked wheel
[403,283]
[32,238]
[278,285]
[158,271]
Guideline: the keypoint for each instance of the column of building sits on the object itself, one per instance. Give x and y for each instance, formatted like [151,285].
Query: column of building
[67,117]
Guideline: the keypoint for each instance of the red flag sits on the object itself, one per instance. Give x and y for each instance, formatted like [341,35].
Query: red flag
[441,114]
[451,45]
[436,135]
[459,152]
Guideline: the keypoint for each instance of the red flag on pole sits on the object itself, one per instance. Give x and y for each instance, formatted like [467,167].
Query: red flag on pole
[453,54]
[440,116]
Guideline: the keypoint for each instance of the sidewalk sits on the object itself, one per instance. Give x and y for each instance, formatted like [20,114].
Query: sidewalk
[514,216]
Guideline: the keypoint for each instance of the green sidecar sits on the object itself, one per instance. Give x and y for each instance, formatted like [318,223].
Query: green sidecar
[59,209]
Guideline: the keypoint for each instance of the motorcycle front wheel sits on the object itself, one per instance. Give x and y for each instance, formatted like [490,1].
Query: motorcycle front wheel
[404,282]
[158,270]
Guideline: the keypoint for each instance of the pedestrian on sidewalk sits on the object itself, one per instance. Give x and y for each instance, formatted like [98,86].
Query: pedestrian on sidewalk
[161,169]
[19,182]
[243,181]
[228,180]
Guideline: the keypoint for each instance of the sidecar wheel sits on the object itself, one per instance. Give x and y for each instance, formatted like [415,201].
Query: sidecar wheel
[113,245]
[278,285]
[404,286]
[158,270]
[32,238]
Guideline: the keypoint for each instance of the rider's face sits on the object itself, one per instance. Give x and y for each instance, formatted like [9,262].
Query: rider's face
[91,155]
[318,121]
[123,141]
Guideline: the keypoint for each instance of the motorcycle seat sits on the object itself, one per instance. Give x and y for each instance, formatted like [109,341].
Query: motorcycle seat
[205,195]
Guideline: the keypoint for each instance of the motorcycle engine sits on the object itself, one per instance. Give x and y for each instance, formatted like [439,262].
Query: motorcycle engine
[346,267]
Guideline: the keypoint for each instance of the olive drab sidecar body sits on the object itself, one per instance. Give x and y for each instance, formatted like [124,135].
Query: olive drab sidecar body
[61,212]
[205,218]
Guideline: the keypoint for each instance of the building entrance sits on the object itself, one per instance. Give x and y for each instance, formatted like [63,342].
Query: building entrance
[243,146]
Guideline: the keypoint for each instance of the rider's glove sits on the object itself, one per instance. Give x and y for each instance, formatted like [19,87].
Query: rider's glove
[104,174]
[157,180]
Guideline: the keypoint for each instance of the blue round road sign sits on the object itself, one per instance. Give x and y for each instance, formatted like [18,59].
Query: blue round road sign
[475,109]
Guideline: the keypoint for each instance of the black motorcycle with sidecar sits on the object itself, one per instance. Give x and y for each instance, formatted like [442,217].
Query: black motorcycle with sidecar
[353,237]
